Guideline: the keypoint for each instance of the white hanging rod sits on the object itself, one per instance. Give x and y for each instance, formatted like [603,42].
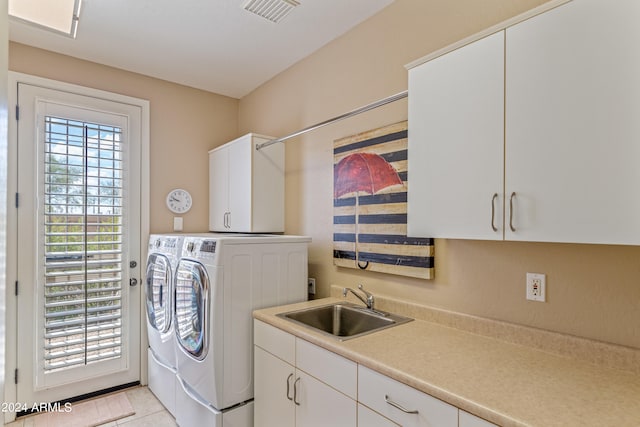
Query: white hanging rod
[352,113]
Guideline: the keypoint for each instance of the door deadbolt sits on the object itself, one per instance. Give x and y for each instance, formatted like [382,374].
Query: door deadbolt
[133,282]
[133,264]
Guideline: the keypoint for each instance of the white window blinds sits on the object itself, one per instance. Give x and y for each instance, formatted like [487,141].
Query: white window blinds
[83,191]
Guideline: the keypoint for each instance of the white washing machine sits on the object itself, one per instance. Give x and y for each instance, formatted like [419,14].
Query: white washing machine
[220,280]
[162,261]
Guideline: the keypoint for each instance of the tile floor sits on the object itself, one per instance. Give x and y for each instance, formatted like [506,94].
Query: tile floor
[149,412]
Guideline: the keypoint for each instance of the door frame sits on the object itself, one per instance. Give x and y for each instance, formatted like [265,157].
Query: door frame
[11,338]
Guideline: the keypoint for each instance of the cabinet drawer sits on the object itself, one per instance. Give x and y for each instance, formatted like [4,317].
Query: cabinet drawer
[468,420]
[328,367]
[368,418]
[377,391]
[277,342]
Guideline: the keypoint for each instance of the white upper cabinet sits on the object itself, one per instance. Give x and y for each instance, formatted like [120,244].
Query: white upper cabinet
[544,115]
[573,123]
[246,186]
[456,143]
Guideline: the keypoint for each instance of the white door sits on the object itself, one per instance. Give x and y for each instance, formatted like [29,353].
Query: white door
[273,391]
[219,189]
[78,244]
[572,128]
[240,188]
[319,405]
[456,143]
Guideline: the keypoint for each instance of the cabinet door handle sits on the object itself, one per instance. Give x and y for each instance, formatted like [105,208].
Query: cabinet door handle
[493,211]
[511,211]
[295,391]
[398,406]
[288,386]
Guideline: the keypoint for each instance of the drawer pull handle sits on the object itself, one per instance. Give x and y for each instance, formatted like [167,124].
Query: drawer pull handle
[288,386]
[398,406]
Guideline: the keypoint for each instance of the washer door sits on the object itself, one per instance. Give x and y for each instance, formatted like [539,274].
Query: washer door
[191,308]
[158,292]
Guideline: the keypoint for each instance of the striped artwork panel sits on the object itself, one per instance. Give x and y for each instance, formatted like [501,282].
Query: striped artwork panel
[370,206]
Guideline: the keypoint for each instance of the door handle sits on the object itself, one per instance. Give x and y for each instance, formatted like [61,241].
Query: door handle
[295,391]
[511,211]
[133,282]
[493,211]
[288,386]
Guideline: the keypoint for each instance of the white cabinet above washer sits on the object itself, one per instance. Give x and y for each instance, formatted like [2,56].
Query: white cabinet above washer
[246,186]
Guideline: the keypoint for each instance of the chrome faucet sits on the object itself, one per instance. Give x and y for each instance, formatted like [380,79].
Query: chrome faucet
[369,301]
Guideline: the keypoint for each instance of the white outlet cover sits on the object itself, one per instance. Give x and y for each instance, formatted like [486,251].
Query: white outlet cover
[536,287]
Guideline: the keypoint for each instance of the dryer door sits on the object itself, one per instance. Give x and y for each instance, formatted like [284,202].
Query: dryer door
[158,292]
[191,308]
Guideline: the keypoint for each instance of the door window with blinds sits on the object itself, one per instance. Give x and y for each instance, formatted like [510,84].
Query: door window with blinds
[82,241]
[78,238]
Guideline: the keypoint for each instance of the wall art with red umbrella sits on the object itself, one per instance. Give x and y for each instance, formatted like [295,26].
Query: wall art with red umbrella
[370,205]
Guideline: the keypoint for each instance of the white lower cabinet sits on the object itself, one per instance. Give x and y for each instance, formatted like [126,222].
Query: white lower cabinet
[313,387]
[298,384]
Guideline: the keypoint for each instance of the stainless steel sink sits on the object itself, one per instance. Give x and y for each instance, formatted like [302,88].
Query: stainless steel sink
[344,320]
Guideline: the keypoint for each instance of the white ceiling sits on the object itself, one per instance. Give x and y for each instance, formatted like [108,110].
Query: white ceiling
[213,45]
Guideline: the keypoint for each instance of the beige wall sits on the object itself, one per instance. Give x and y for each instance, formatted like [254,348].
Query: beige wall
[593,291]
[185,124]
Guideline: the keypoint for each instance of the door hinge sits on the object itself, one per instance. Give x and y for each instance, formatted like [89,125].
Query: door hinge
[15,376]
[16,288]
[17,200]
[17,112]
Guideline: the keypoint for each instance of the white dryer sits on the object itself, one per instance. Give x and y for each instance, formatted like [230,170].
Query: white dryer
[220,280]
[162,260]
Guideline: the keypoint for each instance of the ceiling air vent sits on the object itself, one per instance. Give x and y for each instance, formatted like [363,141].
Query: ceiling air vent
[273,10]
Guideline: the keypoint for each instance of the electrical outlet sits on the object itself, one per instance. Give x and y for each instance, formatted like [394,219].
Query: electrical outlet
[536,287]
[311,283]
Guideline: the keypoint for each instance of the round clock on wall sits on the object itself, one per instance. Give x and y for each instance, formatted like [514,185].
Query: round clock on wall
[179,201]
